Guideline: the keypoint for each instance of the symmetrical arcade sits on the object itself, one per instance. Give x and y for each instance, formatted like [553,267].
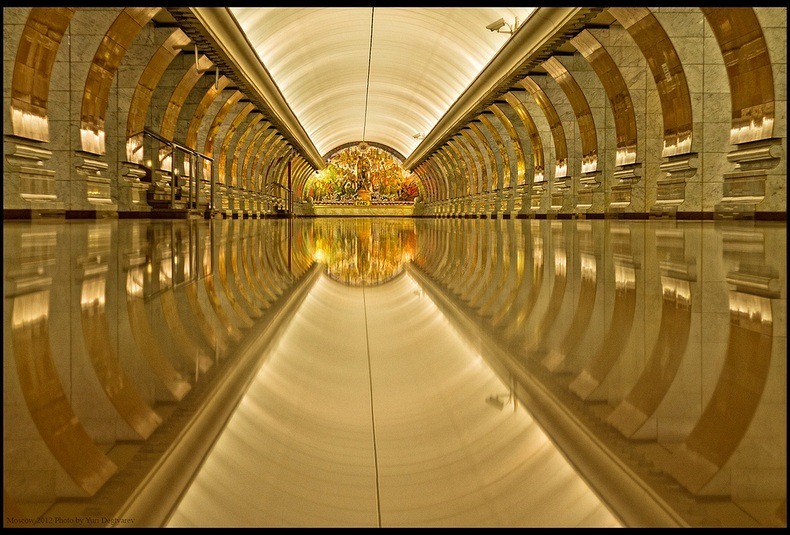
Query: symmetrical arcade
[618,112]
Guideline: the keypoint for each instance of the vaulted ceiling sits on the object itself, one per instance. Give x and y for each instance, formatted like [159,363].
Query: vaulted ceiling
[381,75]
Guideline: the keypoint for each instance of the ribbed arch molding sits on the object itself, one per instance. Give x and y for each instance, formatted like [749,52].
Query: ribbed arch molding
[422,59]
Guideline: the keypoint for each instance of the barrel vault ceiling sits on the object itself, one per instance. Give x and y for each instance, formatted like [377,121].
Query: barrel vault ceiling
[380,75]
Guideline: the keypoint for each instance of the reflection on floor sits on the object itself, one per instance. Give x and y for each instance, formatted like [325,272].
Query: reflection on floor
[371,412]
[651,353]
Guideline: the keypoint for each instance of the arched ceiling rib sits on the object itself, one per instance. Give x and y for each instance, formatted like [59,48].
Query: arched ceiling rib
[421,61]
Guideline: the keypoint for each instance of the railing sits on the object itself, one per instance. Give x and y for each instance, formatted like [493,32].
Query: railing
[180,154]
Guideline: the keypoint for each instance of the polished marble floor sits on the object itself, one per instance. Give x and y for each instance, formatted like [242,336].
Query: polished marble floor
[396,372]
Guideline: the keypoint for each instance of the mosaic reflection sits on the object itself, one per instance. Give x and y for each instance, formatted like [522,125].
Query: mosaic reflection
[663,342]
[361,251]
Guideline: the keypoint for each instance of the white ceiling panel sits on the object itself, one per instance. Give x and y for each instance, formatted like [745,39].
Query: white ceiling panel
[420,61]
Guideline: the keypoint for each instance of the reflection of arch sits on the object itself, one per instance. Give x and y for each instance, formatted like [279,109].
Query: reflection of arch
[732,405]
[616,89]
[513,260]
[659,372]
[524,308]
[144,336]
[49,407]
[517,258]
[101,74]
[35,57]
[116,384]
[235,242]
[213,338]
[222,270]
[185,346]
[745,52]
[581,318]
[252,277]
[617,334]
[535,338]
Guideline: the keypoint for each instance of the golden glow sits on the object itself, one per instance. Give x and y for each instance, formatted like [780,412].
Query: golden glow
[134,282]
[624,276]
[134,149]
[92,142]
[30,309]
[625,156]
[754,307]
[589,164]
[752,130]
[681,145]
[29,125]
[93,293]
[588,266]
[560,170]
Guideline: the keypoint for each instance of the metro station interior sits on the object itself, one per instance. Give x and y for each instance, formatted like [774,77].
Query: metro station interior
[394,267]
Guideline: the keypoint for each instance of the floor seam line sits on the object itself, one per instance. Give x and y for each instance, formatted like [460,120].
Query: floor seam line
[372,414]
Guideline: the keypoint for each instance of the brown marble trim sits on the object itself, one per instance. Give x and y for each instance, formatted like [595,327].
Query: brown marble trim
[749,70]
[101,74]
[581,109]
[197,117]
[267,160]
[489,171]
[515,143]
[557,130]
[216,123]
[463,158]
[453,173]
[251,149]
[668,73]
[180,94]
[35,58]
[32,214]
[723,423]
[265,146]
[116,383]
[538,155]
[500,145]
[149,80]
[616,90]
[476,157]
[49,406]
[222,157]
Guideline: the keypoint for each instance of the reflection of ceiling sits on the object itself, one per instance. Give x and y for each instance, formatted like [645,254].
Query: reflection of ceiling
[416,65]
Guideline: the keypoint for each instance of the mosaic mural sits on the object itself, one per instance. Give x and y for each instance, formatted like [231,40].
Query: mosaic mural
[363,174]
